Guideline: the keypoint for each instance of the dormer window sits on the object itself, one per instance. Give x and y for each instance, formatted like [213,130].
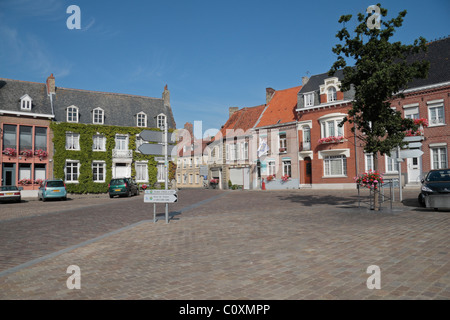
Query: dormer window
[329,89]
[141,119]
[98,116]
[161,121]
[25,103]
[309,99]
[72,114]
[331,94]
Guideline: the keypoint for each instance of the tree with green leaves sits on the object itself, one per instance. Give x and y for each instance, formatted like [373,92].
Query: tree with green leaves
[380,73]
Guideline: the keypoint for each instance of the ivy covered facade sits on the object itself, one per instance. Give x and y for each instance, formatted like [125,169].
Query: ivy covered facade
[84,137]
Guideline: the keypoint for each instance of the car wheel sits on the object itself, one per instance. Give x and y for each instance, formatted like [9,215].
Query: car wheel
[137,192]
[43,199]
[111,196]
[64,198]
[421,200]
[129,193]
[19,200]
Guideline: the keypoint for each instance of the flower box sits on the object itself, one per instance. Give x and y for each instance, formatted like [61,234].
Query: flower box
[26,153]
[41,153]
[10,152]
[283,150]
[332,139]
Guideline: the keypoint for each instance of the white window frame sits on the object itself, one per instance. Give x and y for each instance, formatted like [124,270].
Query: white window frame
[72,114]
[160,121]
[434,107]
[308,99]
[368,162]
[98,140]
[282,142]
[96,164]
[441,151]
[333,123]
[143,167]
[331,94]
[74,163]
[271,167]
[161,177]
[116,139]
[26,103]
[412,113]
[391,161]
[141,119]
[100,113]
[245,150]
[327,168]
[287,167]
[72,141]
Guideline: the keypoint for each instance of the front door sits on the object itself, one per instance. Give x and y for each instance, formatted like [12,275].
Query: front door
[414,169]
[308,171]
[9,174]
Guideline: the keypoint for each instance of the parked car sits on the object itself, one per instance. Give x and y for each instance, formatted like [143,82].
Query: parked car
[123,187]
[436,182]
[10,193]
[52,189]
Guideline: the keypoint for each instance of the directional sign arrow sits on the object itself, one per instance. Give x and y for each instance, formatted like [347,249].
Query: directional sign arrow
[155,149]
[161,192]
[410,153]
[153,198]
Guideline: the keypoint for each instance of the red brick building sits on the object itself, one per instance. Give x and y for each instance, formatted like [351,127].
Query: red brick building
[26,139]
[330,157]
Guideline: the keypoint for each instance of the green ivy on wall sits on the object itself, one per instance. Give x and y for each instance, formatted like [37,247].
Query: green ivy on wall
[86,155]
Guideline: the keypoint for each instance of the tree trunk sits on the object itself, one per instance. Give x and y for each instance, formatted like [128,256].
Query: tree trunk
[376,194]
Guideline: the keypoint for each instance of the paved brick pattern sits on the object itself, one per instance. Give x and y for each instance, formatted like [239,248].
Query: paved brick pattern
[255,245]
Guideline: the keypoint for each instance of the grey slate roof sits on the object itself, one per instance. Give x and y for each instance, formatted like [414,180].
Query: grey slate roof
[438,56]
[119,109]
[439,72]
[12,90]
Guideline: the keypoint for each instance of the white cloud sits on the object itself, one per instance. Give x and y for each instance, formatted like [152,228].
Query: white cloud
[30,53]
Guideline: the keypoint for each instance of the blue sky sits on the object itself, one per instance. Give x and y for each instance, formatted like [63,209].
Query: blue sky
[212,54]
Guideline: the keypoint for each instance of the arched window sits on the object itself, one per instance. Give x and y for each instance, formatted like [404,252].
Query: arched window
[331,94]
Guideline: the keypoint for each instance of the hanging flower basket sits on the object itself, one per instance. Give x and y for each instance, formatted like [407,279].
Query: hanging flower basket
[371,179]
[332,139]
[10,152]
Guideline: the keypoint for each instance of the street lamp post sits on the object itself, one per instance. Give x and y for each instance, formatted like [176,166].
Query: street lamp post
[166,164]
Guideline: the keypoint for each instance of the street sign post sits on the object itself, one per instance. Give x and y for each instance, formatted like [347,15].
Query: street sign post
[162,148]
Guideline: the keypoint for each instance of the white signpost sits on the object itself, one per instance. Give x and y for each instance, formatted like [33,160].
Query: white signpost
[159,196]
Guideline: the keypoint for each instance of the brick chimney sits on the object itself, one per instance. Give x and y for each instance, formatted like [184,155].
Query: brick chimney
[269,94]
[51,85]
[232,110]
[190,128]
[166,96]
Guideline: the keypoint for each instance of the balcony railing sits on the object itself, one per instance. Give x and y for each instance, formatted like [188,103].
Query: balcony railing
[122,153]
[305,146]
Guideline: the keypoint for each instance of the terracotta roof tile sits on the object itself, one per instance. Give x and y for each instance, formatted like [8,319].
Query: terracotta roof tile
[281,108]
[241,121]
